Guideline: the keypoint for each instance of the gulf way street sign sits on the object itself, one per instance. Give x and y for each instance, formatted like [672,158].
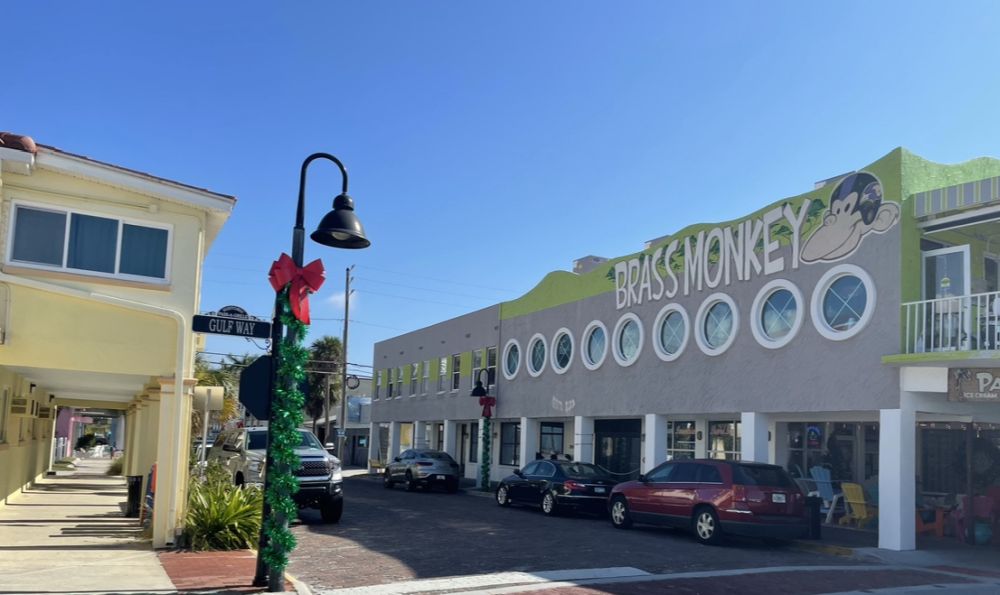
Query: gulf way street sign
[233,321]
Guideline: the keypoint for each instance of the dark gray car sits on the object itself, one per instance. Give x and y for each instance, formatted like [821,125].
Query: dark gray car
[422,468]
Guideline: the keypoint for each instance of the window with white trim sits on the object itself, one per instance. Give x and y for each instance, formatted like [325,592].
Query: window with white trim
[627,342]
[724,440]
[442,372]
[511,359]
[562,351]
[414,376]
[681,437]
[843,302]
[456,371]
[536,355]
[510,443]
[477,365]
[72,241]
[595,345]
[388,384]
[425,377]
[670,332]
[491,365]
[399,381]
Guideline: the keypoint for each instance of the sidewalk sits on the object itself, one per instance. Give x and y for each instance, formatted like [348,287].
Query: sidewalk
[67,534]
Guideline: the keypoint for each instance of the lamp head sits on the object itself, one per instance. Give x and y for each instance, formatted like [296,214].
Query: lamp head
[479,391]
[340,228]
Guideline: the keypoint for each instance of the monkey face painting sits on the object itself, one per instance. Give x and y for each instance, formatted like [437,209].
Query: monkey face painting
[856,209]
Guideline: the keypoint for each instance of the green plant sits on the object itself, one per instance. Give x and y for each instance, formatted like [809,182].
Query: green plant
[116,466]
[222,516]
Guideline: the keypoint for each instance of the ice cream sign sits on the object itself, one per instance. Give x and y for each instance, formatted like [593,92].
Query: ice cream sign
[722,255]
[972,385]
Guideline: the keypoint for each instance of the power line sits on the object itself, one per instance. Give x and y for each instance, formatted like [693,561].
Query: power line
[353,321]
[311,361]
[413,299]
[477,297]
[367,266]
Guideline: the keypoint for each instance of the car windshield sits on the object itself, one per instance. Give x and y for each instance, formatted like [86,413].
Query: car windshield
[308,440]
[582,470]
[761,475]
[258,440]
[434,454]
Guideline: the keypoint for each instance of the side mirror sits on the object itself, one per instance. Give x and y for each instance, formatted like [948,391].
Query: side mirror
[518,473]
[328,445]
[642,478]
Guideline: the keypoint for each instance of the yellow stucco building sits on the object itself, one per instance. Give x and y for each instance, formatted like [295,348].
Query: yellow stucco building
[100,275]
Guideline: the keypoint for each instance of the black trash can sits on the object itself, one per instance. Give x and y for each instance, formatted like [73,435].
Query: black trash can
[134,483]
[813,505]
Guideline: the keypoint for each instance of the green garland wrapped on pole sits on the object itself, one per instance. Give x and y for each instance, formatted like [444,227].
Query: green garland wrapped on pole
[484,466]
[286,417]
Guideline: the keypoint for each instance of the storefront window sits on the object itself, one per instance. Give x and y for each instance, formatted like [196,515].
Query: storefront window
[849,450]
[680,440]
[552,438]
[724,440]
[510,443]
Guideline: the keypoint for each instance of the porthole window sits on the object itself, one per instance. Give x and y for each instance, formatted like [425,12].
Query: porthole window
[595,345]
[562,351]
[511,359]
[536,355]
[716,324]
[627,340]
[777,314]
[843,302]
[670,332]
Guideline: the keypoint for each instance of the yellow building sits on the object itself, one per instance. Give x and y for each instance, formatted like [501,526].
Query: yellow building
[100,274]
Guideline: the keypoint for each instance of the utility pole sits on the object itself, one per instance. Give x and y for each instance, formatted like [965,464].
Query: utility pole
[342,421]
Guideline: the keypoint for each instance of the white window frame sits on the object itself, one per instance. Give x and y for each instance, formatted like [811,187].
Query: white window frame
[553,360]
[527,362]
[479,354]
[442,364]
[399,381]
[824,284]
[616,342]
[503,361]
[456,372]
[491,370]
[69,212]
[425,375]
[585,341]
[414,378]
[655,334]
[757,313]
[699,324]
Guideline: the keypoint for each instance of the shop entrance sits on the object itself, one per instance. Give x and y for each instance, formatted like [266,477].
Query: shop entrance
[618,443]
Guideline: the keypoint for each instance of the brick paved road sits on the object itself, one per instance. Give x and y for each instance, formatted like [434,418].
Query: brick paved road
[388,536]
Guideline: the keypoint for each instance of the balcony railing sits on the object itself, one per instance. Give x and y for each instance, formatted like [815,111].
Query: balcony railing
[960,323]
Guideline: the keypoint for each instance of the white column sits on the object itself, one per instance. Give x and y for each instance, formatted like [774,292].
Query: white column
[701,444]
[374,442]
[583,439]
[420,435]
[655,447]
[530,429]
[393,440]
[450,445]
[754,428]
[897,479]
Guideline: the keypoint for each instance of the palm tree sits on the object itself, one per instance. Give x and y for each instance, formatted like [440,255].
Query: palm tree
[325,355]
[226,375]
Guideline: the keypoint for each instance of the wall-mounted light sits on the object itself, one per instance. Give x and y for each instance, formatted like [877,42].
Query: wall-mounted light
[698,435]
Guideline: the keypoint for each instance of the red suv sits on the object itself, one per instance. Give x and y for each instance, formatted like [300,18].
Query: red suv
[713,497]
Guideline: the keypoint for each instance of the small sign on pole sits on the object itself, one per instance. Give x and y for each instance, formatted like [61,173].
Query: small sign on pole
[233,321]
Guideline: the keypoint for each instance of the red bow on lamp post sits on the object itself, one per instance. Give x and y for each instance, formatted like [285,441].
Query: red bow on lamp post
[488,403]
[305,280]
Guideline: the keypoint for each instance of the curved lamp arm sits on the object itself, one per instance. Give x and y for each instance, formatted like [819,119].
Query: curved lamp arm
[299,232]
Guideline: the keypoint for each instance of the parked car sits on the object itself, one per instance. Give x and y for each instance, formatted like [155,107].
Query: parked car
[712,498]
[243,452]
[557,486]
[421,467]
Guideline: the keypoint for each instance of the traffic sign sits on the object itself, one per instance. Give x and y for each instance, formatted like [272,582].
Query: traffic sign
[228,325]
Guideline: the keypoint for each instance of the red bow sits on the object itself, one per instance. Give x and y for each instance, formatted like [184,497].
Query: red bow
[488,403]
[305,280]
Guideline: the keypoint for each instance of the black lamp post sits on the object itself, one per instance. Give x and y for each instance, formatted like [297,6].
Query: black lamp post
[487,402]
[340,228]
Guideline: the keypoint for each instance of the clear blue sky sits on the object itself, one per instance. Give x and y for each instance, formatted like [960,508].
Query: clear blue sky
[491,144]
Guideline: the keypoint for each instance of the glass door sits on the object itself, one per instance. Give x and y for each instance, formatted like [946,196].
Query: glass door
[946,289]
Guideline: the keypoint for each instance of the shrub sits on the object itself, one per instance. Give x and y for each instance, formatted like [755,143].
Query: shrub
[222,516]
[116,466]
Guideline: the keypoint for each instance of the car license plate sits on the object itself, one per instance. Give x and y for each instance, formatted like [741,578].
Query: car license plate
[442,477]
[598,490]
[778,498]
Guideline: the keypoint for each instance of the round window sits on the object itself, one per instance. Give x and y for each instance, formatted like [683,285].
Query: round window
[536,355]
[628,340]
[776,314]
[595,345]
[717,322]
[562,350]
[511,359]
[671,332]
[843,302]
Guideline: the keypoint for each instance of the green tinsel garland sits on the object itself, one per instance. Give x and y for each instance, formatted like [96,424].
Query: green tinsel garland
[286,417]
[484,467]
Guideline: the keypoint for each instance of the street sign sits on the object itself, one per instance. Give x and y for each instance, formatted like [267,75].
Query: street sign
[231,323]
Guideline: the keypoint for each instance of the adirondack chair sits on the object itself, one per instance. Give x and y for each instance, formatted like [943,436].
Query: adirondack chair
[831,498]
[859,510]
[982,511]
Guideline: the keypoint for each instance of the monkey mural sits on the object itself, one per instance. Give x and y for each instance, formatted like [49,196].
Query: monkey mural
[856,208]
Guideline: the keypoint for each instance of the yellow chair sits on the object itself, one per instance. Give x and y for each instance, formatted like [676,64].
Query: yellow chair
[859,511]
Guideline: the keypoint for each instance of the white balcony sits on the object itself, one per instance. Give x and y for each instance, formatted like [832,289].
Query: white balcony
[959,323]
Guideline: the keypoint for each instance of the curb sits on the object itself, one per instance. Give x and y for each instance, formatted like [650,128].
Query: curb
[823,548]
[300,587]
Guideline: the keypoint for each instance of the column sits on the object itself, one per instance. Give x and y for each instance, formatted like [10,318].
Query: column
[173,450]
[393,440]
[420,435]
[450,445]
[897,479]
[701,444]
[754,428]
[530,431]
[583,439]
[654,449]
[374,442]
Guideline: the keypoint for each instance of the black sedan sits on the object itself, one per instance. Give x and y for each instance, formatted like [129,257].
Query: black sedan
[557,486]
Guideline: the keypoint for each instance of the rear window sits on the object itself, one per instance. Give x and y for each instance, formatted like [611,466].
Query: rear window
[436,455]
[581,470]
[761,475]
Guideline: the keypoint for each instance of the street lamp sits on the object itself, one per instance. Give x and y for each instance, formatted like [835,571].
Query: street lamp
[487,403]
[340,228]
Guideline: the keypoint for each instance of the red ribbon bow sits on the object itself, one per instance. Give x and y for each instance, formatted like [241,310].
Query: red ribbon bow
[305,280]
[488,403]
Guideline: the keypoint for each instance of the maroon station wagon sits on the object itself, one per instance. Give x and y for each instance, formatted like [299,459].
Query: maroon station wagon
[713,497]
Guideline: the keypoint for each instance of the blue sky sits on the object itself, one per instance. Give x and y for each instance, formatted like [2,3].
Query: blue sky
[489,144]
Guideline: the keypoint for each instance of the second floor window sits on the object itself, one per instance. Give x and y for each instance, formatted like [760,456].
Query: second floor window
[425,376]
[388,384]
[442,373]
[456,373]
[89,244]
[414,375]
[491,364]
[376,381]
[477,365]
[399,381]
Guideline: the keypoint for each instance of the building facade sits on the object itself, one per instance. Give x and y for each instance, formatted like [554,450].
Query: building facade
[825,330]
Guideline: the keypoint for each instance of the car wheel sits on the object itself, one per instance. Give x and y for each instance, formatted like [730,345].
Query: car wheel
[331,510]
[620,517]
[549,506]
[387,481]
[706,526]
[503,496]
[411,485]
